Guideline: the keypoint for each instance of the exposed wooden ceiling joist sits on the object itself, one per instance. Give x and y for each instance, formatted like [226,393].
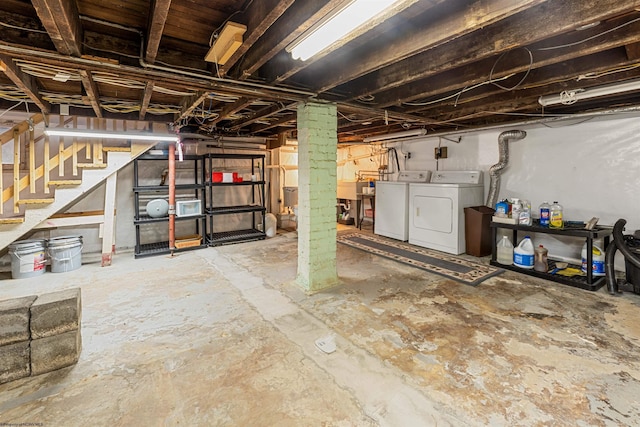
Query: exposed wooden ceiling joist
[522,30]
[60,18]
[259,16]
[158,12]
[146,98]
[470,18]
[92,92]
[295,21]
[24,82]
[230,109]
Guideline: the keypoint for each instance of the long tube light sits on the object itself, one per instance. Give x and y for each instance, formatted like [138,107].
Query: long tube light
[396,135]
[569,97]
[133,136]
[334,26]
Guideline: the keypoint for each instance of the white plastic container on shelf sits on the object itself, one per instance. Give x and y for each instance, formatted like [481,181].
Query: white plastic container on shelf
[505,251]
[598,260]
[523,254]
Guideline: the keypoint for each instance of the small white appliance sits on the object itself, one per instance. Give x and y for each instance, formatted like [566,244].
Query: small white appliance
[392,204]
[436,218]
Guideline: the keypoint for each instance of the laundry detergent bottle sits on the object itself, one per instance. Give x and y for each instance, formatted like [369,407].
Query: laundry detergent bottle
[523,254]
[597,266]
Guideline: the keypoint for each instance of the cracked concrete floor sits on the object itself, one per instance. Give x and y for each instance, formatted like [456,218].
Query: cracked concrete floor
[223,336]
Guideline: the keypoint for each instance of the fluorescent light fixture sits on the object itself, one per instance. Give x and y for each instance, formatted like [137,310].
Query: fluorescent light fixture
[396,135]
[227,43]
[81,133]
[569,97]
[334,26]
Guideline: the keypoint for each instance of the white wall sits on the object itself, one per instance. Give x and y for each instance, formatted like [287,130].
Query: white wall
[591,167]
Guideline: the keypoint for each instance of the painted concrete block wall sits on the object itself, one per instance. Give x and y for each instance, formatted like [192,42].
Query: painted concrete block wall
[592,168]
[317,147]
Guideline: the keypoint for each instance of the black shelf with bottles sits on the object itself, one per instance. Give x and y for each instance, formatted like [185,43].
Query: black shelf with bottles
[253,206]
[141,220]
[587,282]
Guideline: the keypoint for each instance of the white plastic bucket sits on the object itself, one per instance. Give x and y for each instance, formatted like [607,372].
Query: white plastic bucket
[27,258]
[65,253]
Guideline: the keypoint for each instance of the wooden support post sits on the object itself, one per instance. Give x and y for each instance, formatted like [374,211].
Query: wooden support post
[87,146]
[61,156]
[32,162]
[74,158]
[109,219]
[45,164]
[99,152]
[16,171]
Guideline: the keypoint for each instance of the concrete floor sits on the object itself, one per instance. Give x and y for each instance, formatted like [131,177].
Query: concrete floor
[224,336]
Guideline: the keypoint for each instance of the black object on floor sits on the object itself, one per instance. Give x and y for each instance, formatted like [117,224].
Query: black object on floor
[450,266]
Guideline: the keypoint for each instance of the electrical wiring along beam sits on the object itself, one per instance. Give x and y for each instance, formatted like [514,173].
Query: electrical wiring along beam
[162,72]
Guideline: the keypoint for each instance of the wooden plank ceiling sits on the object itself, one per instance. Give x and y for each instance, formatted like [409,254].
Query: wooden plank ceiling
[442,65]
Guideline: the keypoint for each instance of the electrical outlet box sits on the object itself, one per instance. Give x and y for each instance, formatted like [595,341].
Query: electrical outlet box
[441,152]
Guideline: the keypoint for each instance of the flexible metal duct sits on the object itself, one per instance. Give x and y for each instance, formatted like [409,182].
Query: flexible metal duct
[496,170]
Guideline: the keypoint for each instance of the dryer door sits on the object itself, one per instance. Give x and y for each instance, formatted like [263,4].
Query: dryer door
[433,213]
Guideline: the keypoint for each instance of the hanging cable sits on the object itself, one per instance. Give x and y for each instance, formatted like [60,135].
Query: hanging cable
[589,38]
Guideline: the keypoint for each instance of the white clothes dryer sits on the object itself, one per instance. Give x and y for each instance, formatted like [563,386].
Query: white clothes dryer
[436,218]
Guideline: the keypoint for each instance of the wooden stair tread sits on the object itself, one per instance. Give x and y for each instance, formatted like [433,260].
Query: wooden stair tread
[65,182]
[92,165]
[14,220]
[35,201]
[116,149]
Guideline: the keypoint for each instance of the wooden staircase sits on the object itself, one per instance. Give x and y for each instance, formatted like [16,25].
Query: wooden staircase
[36,185]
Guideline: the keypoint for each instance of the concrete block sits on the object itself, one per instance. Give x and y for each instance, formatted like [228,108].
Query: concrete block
[56,313]
[14,320]
[14,361]
[55,352]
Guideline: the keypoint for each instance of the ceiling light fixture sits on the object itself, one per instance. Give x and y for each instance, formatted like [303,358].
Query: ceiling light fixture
[569,97]
[81,133]
[227,43]
[338,23]
[396,135]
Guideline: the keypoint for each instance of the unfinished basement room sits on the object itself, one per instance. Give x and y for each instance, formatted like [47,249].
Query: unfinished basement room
[334,213]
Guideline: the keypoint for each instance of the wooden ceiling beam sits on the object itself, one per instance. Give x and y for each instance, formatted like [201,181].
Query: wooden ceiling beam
[159,10]
[282,120]
[260,114]
[407,42]
[286,67]
[549,80]
[295,21]
[231,108]
[61,20]
[521,30]
[92,91]
[146,98]
[189,104]
[516,62]
[25,83]
[259,16]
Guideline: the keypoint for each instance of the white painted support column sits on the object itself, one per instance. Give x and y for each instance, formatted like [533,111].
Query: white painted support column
[317,152]
[108,242]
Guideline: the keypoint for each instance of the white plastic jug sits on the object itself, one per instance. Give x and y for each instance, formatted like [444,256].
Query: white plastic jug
[505,251]
[598,260]
[523,254]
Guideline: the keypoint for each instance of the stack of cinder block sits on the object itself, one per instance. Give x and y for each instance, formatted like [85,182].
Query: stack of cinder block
[39,334]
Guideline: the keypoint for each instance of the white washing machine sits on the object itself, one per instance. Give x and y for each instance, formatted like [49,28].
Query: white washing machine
[436,218]
[392,204]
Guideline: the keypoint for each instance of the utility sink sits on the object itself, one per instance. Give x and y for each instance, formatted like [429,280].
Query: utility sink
[350,189]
